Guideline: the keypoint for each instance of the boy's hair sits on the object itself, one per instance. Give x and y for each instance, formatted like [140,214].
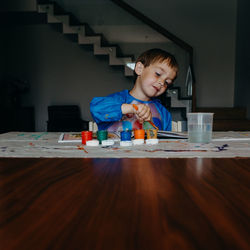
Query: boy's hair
[157,55]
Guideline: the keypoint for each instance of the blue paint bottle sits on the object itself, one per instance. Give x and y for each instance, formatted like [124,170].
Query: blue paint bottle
[126,135]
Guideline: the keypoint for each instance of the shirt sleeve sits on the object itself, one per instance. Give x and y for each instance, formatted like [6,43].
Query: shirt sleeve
[167,123]
[165,116]
[107,109]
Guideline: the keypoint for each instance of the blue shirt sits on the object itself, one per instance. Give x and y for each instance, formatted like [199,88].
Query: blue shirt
[107,113]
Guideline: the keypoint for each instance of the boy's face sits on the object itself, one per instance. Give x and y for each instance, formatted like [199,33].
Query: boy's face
[154,79]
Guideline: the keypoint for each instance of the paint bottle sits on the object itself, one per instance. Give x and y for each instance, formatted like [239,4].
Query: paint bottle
[86,136]
[151,133]
[126,135]
[102,135]
[139,133]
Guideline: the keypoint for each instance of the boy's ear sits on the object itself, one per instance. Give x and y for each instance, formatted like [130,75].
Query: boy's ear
[139,68]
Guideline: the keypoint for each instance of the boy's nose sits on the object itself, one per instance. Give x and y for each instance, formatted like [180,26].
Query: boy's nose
[161,83]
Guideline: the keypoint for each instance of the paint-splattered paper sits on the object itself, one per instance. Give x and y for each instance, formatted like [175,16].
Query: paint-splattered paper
[45,144]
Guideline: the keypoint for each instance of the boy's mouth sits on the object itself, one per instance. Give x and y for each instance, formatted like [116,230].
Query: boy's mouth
[157,89]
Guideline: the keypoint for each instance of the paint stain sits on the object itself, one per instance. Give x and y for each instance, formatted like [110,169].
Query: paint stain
[3,149]
[176,150]
[223,147]
[82,148]
[128,151]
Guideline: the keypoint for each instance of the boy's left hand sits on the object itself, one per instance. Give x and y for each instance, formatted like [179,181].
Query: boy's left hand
[143,113]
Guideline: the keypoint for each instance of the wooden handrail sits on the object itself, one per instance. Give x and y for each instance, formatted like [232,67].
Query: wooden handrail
[153,25]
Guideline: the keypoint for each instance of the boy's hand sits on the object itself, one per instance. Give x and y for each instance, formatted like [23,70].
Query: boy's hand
[142,112]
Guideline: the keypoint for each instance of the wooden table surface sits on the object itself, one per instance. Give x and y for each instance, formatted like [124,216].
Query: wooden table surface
[124,203]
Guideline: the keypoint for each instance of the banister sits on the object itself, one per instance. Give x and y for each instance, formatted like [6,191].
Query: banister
[153,25]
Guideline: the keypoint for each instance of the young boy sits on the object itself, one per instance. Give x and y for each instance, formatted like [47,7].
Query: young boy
[155,69]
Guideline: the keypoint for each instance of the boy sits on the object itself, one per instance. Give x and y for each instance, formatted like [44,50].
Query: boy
[155,70]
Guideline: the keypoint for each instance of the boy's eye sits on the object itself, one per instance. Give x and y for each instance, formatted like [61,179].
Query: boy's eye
[158,74]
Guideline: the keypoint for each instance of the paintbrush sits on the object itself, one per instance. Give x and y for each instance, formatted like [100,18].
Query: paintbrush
[136,108]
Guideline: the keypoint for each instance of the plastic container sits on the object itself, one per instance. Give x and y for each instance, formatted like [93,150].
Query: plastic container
[200,127]
[86,136]
[102,135]
[151,133]
[139,134]
[126,135]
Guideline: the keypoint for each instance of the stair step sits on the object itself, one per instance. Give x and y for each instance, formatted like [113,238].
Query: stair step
[89,39]
[68,29]
[225,113]
[85,34]
[57,9]
[119,60]
[46,8]
[98,50]
[58,19]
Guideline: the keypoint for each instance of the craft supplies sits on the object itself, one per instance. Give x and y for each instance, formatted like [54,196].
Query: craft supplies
[102,135]
[146,122]
[86,136]
[151,133]
[126,135]
[139,134]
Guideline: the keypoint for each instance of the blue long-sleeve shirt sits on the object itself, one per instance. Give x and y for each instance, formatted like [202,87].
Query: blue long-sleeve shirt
[107,113]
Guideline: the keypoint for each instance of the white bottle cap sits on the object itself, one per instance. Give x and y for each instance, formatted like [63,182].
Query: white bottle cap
[108,142]
[92,143]
[152,141]
[125,143]
[138,141]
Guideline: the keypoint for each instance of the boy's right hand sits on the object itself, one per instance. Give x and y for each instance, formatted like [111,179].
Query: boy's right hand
[142,112]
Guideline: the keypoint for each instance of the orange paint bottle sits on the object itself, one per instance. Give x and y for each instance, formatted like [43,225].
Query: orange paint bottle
[139,133]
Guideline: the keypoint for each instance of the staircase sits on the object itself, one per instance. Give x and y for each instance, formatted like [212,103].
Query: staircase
[228,119]
[86,36]
[83,34]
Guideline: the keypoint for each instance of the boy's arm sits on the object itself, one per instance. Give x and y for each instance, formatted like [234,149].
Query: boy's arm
[109,109]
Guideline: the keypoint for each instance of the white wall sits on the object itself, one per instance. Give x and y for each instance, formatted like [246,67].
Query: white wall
[59,71]
[209,26]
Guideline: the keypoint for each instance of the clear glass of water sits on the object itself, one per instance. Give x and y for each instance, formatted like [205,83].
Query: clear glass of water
[200,127]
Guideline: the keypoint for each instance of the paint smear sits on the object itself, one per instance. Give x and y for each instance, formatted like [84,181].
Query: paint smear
[82,148]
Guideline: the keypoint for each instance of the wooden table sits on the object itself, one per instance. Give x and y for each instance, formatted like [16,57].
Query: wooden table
[124,203]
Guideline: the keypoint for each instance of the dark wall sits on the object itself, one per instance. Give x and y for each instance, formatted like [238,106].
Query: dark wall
[242,65]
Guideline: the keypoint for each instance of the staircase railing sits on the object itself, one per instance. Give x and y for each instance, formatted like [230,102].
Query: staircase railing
[168,35]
